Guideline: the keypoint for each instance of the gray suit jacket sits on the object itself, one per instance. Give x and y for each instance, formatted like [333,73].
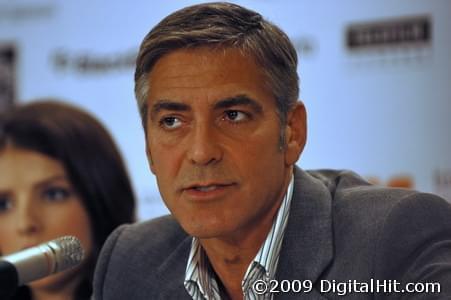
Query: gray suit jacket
[340,228]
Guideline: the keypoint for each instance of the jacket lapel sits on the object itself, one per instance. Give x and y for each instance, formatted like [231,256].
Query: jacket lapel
[171,273]
[307,248]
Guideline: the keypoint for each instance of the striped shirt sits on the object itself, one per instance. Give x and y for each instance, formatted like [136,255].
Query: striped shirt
[200,279]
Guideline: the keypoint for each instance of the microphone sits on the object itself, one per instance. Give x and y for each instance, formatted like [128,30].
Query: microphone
[37,262]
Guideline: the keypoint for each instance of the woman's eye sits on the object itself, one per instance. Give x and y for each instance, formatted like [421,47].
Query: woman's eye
[170,122]
[5,203]
[56,194]
[235,115]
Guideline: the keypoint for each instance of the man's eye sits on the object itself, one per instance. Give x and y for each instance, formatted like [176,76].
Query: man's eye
[170,122]
[235,116]
[56,194]
[5,203]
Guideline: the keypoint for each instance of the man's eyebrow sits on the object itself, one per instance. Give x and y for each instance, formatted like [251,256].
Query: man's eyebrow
[239,100]
[167,105]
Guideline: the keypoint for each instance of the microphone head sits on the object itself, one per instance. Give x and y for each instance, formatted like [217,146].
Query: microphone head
[68,252]
[45,259]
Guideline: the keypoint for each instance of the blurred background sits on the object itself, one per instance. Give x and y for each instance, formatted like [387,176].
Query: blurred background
[375,78]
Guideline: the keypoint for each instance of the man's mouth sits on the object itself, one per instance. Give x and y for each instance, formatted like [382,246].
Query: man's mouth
[205,188]
[208,187]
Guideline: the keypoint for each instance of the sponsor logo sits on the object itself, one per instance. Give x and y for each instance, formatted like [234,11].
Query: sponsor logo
[390,33]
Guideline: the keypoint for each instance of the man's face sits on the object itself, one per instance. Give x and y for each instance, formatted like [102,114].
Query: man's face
[213,138]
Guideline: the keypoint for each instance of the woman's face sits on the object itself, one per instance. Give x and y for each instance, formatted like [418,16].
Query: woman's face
[38,203]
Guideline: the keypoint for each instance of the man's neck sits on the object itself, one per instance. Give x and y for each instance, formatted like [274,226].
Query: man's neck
[231,256]
[230,261]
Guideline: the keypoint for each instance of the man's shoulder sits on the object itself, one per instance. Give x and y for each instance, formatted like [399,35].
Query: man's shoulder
[357,204]
[154,240]
[349,190]
[380,232]
[143,256]
[152,235]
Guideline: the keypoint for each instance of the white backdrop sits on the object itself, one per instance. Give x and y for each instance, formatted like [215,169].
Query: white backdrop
[382,113]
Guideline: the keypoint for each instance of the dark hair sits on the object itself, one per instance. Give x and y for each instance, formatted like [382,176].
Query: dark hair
[88,153]
[223,25]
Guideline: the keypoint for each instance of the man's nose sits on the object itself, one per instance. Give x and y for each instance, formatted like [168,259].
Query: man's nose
[204,145]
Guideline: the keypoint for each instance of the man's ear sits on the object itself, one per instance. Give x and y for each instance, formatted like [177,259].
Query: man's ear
[149,159]
[295,133]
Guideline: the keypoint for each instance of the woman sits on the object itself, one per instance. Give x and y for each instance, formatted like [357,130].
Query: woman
[60,174]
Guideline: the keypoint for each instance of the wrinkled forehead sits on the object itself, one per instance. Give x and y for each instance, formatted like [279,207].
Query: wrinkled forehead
[204,68]
[203,58]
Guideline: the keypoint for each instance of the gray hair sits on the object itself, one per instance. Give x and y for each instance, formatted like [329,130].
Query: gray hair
[223,25]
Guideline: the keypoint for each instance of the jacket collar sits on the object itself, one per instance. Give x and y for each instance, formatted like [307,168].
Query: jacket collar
[307,248]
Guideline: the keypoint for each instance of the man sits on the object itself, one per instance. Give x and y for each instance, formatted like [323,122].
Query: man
[217,89]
